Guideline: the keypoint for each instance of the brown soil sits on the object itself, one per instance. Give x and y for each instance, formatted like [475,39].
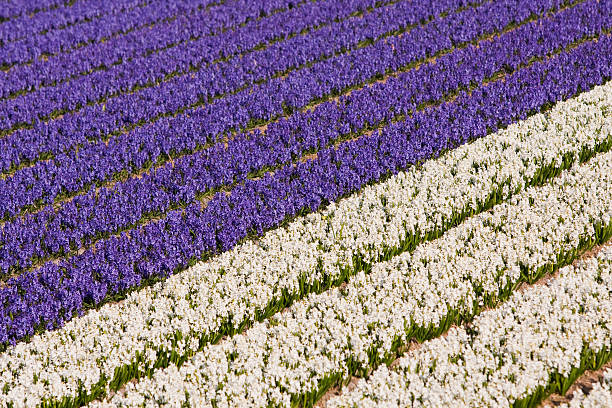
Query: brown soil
[585,383]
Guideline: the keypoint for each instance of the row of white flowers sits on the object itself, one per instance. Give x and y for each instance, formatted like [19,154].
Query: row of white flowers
[299,353]
[506,353]
[188,309]
[600,396]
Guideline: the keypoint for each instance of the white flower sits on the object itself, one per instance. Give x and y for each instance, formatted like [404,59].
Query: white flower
[506,354]
[252,275]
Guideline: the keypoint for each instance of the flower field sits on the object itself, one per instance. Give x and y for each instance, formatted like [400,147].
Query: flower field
[330,203]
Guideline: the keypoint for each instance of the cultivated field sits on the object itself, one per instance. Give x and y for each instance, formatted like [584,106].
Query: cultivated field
[330,203]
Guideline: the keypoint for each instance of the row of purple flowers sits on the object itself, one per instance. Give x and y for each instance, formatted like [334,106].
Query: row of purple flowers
[51,295]
[53,42]
[18,8]
[98,161]
[94,215]
[60,17]
[138,44]
[187,60]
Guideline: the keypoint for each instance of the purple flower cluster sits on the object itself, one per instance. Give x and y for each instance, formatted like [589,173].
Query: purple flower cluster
[56,41]
[135,47]
[109,210]
[185,59]
[18,8]
[27,25]
[94,162]
[51,295]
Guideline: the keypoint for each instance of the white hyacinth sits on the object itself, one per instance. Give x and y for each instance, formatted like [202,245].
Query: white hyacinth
[251,276]
[320,336]
[506,353]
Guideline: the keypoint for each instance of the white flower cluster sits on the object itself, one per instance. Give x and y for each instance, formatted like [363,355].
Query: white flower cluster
[599,397]
[241,282]
[506,353]
[295,353]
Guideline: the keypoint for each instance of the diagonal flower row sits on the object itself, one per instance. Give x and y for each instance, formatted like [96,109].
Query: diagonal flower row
[293,357]
[138,17]
[195,98]
[20,7]
[110,210]
[85,60]
[208,42]
[52,294]
[121,341]
[60,17]
[533,341]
